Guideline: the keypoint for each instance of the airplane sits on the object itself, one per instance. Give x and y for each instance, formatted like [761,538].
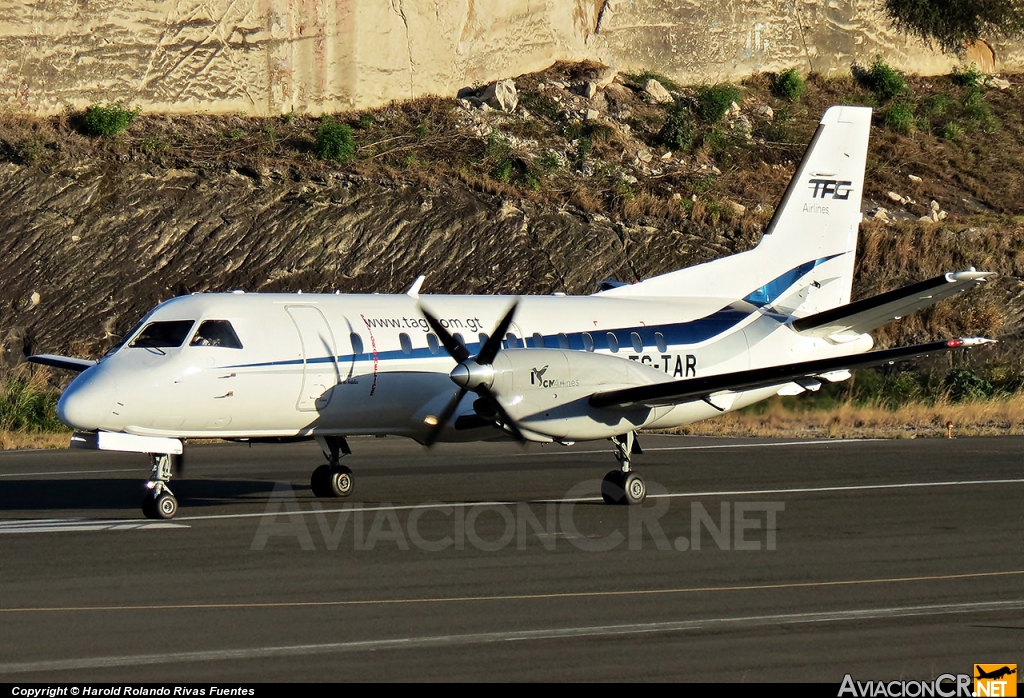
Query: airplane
[664,352]
[995,674]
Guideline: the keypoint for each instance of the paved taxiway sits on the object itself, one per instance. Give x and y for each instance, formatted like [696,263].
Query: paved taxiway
[892,559]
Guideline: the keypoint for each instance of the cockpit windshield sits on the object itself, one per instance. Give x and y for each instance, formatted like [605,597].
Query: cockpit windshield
[163,335]
[216,333]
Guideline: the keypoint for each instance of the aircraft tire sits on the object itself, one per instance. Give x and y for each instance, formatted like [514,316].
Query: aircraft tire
[634,489]
[319,481]
[612,490]
[340,481]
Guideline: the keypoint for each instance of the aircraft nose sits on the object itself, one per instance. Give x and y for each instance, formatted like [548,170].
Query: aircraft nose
[87,402]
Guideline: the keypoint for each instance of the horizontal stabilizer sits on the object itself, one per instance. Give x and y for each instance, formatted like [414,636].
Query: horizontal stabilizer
[677,392]
[65,362]
[849,321]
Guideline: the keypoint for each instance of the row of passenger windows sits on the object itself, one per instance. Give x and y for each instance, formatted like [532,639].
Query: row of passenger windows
[537,340]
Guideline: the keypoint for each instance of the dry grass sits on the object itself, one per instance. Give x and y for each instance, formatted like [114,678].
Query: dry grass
[18,440]
[988,418]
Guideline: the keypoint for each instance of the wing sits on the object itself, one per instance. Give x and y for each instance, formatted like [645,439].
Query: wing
[676,392]
[849,321]
[65,362]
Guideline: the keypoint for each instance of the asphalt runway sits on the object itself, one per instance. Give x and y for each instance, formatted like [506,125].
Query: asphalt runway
[757,561]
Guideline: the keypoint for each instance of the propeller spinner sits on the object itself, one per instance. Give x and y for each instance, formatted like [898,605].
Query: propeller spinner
[473,373]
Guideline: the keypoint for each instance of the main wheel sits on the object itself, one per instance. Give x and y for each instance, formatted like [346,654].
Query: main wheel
[612,491]
[319,481]
[634,489]
[341,481]
[163,506]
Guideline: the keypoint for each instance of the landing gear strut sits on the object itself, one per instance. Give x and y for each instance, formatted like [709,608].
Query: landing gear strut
[623,486]
[332,479]
[159,501]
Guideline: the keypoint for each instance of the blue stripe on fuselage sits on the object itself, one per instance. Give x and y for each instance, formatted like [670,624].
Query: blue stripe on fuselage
[681,333]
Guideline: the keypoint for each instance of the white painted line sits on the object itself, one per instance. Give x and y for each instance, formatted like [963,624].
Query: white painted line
[580,500]
[407,643]
[79,525]
[74,472]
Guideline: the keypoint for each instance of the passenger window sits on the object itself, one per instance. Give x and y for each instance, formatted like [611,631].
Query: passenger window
[659,339]
[638,344]
[563,340]
[433,343]
[459,337]
[613,342]
[538,340]
[357,343]
[483,339]
[588,342]
[403,338]
[163,335]
[512,342]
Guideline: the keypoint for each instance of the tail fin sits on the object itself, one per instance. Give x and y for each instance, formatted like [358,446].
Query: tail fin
[805,259]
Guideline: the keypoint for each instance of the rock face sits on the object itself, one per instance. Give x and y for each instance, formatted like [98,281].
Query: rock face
[146,234]
[267,57]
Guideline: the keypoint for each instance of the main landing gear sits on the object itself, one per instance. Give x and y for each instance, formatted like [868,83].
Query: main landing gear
[332,479]
[159,501]
[623,486]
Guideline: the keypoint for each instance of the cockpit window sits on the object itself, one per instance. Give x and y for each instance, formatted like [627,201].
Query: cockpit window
[163,335]
[216,333]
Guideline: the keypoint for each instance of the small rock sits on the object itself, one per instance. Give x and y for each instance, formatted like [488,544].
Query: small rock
[942,215]
[629,179]
[465,103]
[606,77]
[926,219]
[589,90]
[667,156]
[591,115]
[879,214]
[657,92]
[734,109]
[676,197]
[644,156]
[999,83]
[914,178]
[895,197]
[935,206]
[618,93]
[766,112]
[35,298]
[715,171]
[76,238]
[737,209]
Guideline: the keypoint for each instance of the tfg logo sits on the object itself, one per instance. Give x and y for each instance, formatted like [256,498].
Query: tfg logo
[837,189]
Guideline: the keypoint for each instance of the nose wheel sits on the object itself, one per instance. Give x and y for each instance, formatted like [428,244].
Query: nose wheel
[623,486]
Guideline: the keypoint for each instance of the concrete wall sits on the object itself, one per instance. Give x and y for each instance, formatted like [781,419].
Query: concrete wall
[275,56]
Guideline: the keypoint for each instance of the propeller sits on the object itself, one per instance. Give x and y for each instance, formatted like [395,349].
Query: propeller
[474,374]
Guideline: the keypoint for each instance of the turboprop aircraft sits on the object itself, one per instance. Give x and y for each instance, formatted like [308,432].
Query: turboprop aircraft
[664,352]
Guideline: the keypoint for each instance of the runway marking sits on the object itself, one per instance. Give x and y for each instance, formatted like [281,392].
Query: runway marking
[67,525]
[421,642]
[514,597]
[581,500]
[73,472]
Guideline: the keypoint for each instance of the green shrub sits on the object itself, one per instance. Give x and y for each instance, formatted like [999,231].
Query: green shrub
[900,118]
[936,105]
[964,385]
[365,121]
[885,81]
[713,101]
[583,148]
[788,85]
[334,141]
[498,148]
[678,131]
[549,161]
[502,171]
[24,406]
[952,132]
[967,77]
[108,119]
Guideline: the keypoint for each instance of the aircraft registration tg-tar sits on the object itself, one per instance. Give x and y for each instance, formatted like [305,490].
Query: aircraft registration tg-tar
[664,352]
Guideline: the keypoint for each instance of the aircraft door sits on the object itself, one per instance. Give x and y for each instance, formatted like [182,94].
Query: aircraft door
[320,357]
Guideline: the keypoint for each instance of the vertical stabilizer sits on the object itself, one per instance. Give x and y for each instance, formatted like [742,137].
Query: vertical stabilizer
[811,241]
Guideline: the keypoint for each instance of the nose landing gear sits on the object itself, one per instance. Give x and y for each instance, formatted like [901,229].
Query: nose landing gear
[159,502]
[332,479]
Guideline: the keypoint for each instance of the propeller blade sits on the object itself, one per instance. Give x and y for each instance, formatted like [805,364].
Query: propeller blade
[442,419]
[502,414]
[454,347]
[489,350]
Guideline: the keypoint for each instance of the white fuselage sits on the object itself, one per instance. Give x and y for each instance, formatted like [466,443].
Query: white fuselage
[368,364]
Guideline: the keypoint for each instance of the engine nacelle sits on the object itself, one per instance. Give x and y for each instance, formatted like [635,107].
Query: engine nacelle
[547,392]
